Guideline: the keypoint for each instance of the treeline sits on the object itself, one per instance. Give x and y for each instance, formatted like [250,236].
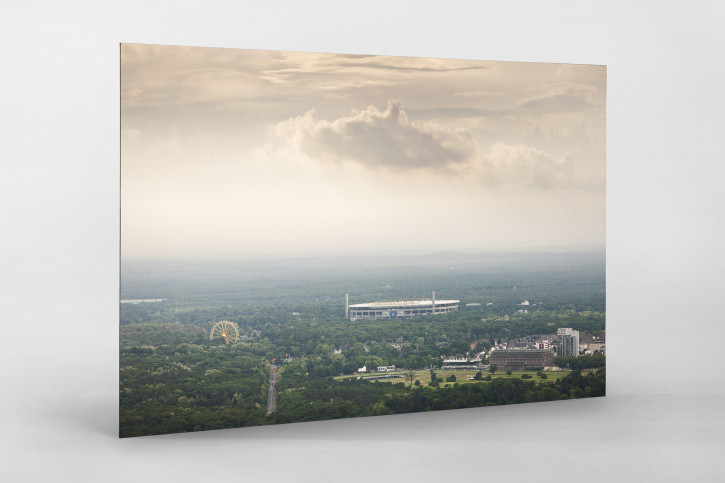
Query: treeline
[426,339]
[474,277]
[191,387]
[581,362]
[270,291]
[325,398]
[369,343]
[260,314]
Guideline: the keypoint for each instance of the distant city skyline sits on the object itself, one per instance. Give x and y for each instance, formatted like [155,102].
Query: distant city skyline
[242,153]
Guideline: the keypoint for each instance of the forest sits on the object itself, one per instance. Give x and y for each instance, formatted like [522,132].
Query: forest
[173,378]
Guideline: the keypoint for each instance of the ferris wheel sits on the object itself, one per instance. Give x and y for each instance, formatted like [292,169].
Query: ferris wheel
[225,329]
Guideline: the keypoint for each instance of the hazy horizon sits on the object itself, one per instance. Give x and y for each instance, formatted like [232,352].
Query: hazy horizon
[399,257]
[363,254]
[231,153]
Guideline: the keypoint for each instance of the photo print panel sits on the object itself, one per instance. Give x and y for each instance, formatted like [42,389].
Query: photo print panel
[311,236]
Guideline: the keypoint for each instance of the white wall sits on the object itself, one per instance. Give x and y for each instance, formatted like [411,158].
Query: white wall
[59,176]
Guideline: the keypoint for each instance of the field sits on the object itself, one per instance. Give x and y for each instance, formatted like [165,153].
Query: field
[463,377]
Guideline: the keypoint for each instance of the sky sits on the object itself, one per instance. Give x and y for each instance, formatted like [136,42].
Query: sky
[242,153]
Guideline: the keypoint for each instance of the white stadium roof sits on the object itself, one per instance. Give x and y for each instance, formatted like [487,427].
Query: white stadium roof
[405,303]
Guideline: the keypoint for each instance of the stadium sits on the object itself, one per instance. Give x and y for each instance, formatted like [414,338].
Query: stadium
[400,308]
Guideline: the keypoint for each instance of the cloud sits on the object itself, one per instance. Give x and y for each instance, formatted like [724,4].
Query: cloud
[561,98]
[456,112]
[478,93]
[399,64]
[387,139]
[522,165]
[377,138]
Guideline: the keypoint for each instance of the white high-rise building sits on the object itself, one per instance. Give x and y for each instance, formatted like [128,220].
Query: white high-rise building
[569,342]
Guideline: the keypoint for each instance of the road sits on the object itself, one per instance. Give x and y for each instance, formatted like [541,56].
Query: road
[272,393]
